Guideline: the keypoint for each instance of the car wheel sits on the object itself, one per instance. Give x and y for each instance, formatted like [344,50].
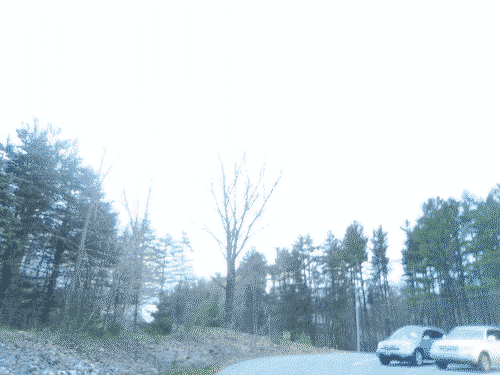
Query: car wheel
[483,363]
[385,361]
[442,365]
[417,358]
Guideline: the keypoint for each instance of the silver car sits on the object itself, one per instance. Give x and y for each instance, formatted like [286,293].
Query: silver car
[409,343]
[478,346]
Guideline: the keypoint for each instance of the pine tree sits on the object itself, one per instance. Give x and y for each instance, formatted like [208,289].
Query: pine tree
[336,266]
[252,276]
[380,271]
[50,189]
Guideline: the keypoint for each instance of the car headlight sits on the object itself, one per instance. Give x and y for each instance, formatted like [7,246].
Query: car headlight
[379,345]
[407,347]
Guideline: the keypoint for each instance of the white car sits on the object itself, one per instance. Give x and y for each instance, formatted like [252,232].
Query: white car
[409,343]
[478,346]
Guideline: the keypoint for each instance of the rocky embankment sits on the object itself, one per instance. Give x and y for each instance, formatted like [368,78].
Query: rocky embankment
[49,353]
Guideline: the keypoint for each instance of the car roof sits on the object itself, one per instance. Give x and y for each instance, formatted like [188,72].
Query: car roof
[434,328]
[424,327]
[479,328]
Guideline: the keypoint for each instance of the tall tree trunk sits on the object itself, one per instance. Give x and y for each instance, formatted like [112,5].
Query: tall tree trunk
[362,287]
[230,287]
[11,278]
[48,303]
[79,264]
[138,284]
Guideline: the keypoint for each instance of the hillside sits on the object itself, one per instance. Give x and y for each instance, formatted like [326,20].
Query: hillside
[144,354]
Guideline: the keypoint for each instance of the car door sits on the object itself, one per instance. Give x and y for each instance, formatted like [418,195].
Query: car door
[426,343]
[435,335]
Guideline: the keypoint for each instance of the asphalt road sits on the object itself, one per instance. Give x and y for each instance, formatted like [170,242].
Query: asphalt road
[339,364]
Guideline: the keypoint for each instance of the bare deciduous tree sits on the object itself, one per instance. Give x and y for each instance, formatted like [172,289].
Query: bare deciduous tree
[137,245]
[238,217]
[82,256]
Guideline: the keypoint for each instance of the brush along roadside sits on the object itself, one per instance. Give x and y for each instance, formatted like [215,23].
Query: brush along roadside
[140,353]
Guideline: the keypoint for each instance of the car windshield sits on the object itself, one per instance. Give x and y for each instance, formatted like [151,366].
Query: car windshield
[407,333]
[465,334]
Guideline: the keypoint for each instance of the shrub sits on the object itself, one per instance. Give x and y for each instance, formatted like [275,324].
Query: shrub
[114,329]
[324,342]
[98,327]
[163,322]
[281,337]
[208,314]
[303,339]
[182,333]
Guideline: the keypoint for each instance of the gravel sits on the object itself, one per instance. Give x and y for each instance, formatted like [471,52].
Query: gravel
[24,359]
[53,354]
[78,357]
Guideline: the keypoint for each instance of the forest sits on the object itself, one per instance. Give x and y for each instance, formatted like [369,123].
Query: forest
[64,262]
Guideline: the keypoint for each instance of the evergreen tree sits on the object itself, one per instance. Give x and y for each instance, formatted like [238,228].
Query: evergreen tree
[340,304]
[379,299]
[355,247]
[163,317]
[252,276]
[50,186]
[9,224]
[380,261]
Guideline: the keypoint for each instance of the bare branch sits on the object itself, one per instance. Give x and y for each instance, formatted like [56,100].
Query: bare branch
[259,214]
[113,163]
[225,196]
[145,218]
[235,223]
[249,201]
[127,207]
[219,242]
[237,173]
[224,224]
[251,235]
[252,198]
[217,281]
[102,161]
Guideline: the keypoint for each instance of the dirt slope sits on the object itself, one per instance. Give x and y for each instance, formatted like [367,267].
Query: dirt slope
[198,348]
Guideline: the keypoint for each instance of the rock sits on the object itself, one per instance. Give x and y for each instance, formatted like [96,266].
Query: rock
[75,355]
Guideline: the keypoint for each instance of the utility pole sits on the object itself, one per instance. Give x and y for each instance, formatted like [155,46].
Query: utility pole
[357,318]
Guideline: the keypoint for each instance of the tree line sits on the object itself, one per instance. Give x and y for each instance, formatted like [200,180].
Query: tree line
[320,293]
[64,261]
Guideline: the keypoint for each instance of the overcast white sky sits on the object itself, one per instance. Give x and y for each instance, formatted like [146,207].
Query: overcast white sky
[370,107]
